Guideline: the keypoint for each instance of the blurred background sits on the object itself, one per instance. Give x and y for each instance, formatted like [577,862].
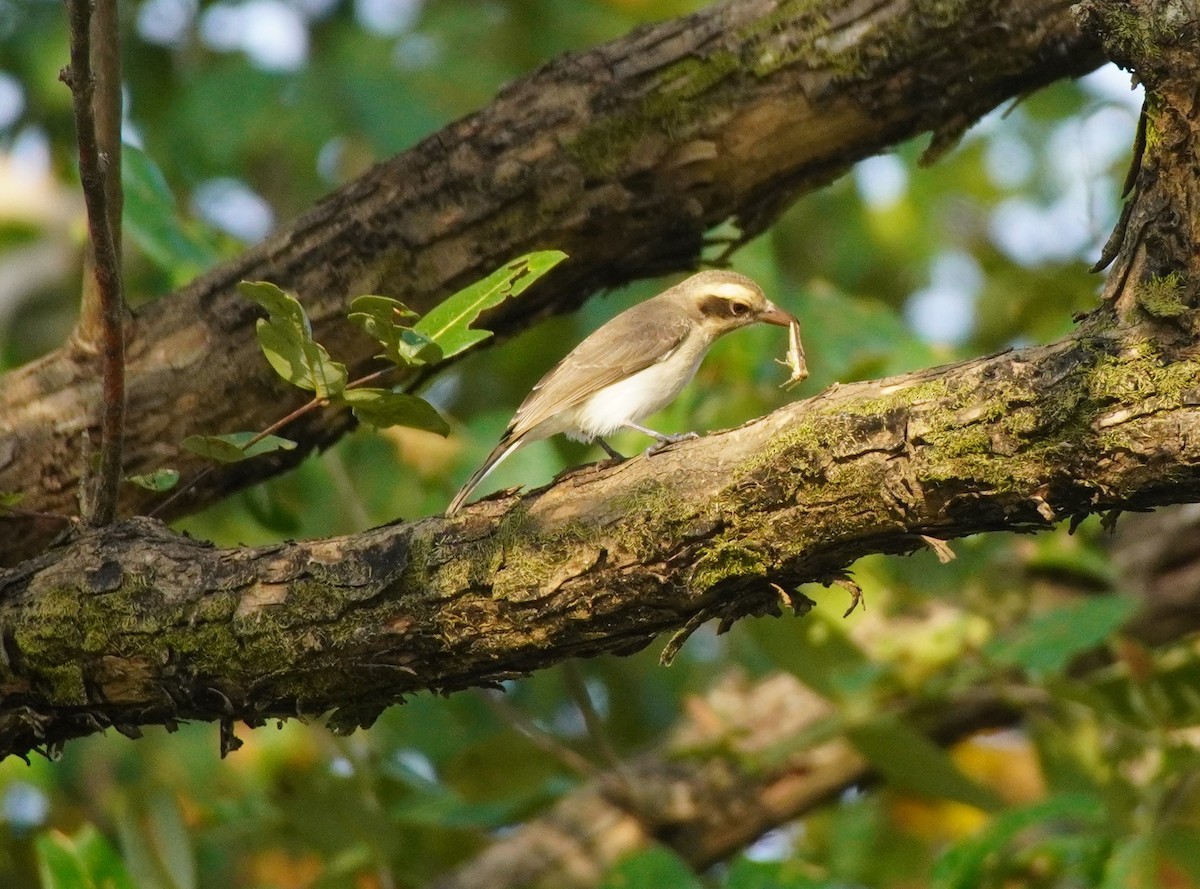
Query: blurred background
[239,116]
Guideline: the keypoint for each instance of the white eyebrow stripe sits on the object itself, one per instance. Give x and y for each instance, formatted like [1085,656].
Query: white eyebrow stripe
[730,290]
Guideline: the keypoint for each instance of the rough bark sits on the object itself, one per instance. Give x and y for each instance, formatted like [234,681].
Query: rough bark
[702,805]
[624,156]
[135,625]
[709,791]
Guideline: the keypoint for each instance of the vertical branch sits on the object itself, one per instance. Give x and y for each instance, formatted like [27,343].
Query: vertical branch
[105,58]
[99,175]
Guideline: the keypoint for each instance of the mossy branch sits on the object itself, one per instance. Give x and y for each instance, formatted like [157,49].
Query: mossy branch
[652,140]
[134,625]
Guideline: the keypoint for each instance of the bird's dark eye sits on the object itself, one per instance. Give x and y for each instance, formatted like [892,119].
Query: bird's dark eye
[738,309]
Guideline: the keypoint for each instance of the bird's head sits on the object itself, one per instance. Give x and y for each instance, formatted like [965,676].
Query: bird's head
[722,301]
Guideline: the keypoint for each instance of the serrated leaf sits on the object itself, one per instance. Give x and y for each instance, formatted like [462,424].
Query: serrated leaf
[1047,643]
[231,447]
[383,407]
[384,319]
[158,480]
[448,324]
[909,760]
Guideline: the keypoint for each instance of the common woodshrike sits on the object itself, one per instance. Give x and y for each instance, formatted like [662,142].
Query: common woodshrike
[632,366]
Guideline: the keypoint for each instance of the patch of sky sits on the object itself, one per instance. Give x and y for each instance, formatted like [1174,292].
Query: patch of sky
[230,205]
[944,311]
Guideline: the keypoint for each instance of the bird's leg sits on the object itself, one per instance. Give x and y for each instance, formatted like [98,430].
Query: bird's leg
[610,450]
[662,440]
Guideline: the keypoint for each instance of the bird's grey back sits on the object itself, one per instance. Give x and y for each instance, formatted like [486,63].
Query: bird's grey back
[632,341]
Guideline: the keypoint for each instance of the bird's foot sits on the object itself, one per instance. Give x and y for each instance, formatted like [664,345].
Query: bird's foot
[614,456]
[665,441]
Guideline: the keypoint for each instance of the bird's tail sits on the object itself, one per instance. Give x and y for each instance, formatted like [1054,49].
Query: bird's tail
[502,450]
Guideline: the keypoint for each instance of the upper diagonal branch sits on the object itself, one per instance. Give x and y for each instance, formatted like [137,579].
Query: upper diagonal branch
[623,156]
[134,625]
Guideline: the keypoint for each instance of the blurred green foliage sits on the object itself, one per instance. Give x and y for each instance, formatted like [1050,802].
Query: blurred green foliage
[895,267]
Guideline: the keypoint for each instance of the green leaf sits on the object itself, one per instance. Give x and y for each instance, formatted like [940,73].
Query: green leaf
[59,864]
[386,309]
[1180,846]
[383,407]
[383,319]
[445,809]
[819,652]
[303,363]
[653,868]
[448,324]
[417,348]
[101,859]
[169,840]
[152,221]
[286,340]
[231,447]
[278,303]
[747,874]
[139,858]
[11,498]
[908,759]
[158,480]
[965,866]
[1132,864]
[84,861]
[1047,643]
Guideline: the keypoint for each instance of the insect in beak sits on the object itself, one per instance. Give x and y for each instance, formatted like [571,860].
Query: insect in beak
[795,355]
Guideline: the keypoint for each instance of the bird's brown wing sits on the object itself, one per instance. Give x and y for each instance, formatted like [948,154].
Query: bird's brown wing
[634,340]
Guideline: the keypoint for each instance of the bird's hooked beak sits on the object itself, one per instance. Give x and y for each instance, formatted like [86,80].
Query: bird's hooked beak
[772,314]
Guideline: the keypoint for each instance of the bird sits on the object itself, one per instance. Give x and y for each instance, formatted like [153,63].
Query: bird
[632,366]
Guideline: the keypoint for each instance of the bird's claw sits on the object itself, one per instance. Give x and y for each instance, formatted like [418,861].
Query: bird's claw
[665,441]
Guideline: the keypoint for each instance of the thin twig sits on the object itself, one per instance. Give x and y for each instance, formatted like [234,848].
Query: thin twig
[539,737]
[299,412]
[34,514]
[93,172]
[577,689]
[105,59]
[307,407]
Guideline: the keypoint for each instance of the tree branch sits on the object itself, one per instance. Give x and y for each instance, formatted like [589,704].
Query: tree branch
[134,625]
[708,792]
[105,66]
[623,156]
[99,174]
[711,790]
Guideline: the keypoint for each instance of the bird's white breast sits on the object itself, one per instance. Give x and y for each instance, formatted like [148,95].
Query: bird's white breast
[637,396]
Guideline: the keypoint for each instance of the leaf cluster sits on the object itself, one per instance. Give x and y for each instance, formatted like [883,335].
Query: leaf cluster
[409,343]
